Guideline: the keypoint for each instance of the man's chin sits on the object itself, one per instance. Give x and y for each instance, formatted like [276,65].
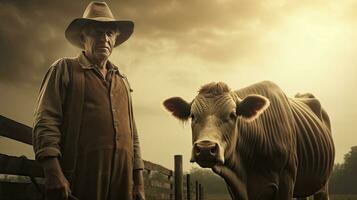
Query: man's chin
[102,56]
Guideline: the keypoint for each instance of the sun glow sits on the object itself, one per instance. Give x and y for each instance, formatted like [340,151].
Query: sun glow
[306,43]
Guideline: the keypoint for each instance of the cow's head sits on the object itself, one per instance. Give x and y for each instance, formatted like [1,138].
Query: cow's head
[214,113]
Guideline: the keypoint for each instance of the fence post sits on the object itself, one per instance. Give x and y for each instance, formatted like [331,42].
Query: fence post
[188,187]
[171,188]
[178,178]
[201,192]
[197,191]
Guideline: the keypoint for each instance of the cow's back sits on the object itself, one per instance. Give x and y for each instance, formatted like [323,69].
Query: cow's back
[315,149]
[269,140]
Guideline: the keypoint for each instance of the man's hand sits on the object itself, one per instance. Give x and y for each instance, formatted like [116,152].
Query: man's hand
[138,189]
[56,185]
[138,192]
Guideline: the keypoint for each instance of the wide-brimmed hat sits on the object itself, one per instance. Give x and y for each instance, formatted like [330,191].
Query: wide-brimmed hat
[98,13]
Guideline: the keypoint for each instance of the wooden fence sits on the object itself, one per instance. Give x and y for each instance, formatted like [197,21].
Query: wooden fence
[21,178]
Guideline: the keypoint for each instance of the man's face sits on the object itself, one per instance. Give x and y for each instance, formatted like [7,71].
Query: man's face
[98,41]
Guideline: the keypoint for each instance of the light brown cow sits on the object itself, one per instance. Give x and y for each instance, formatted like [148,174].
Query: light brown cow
[265,145]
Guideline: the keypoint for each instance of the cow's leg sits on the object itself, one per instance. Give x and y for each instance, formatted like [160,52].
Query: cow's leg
[236,187]
[287,180]
[269,192]
[322,194]
[262,186]
[286,186]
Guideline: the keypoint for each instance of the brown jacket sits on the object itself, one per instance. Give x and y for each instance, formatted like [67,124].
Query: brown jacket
[58,114]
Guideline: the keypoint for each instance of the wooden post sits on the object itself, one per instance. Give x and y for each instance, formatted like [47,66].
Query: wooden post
[201,192]
[171,188]
[178,178]
[197,191]
[188,187]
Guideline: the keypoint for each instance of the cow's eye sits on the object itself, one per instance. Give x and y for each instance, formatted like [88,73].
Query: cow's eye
[192,116]
[233,115]
[230,118]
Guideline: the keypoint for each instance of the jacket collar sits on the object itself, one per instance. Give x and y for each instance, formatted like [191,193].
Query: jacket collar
[86,64]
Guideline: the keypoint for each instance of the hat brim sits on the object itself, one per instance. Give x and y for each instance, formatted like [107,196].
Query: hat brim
[73,31]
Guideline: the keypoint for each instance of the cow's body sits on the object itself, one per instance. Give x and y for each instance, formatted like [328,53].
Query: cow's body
[288,131]
[287,151]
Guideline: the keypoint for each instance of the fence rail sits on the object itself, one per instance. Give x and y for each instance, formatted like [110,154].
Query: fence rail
[21,178]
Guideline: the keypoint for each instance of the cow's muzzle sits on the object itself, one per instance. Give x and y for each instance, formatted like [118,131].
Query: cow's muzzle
[206,153]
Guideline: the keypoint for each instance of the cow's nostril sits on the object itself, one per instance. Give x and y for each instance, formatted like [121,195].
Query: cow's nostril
[197,150]
[214,150]
[205,150]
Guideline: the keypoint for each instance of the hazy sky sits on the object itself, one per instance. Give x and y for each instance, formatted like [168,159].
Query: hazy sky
[179,45]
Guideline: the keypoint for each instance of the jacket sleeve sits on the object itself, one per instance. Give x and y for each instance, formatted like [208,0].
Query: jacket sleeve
[49,113]
[138,162]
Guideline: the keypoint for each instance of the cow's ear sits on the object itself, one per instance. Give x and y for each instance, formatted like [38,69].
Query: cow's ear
[178,107]
[252,106]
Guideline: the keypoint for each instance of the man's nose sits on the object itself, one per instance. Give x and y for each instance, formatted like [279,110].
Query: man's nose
[103,36]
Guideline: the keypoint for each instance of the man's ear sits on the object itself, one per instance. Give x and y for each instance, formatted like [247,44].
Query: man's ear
[178,107]
[251,107]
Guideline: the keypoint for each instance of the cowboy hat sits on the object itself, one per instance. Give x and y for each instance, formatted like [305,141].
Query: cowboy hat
[98,13]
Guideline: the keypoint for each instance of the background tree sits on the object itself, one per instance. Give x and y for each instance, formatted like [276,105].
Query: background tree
[212,183]
[344,176]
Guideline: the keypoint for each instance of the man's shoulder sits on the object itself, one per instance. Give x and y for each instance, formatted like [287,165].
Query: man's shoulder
[63,67]
[117,69]
[61,62]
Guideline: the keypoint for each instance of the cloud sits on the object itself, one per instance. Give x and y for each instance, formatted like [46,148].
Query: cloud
[32,32]
[215,30]
[218,31]
[31,38]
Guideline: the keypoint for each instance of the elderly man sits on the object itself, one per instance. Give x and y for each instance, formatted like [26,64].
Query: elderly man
[84,132]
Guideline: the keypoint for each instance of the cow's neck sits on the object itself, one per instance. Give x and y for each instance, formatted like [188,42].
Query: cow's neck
[236,164]
[234,173]
[251,141]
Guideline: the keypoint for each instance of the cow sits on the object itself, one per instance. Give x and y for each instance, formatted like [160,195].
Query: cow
[262,143]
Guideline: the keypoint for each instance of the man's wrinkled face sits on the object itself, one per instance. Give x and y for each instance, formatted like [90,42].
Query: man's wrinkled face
[99,41]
